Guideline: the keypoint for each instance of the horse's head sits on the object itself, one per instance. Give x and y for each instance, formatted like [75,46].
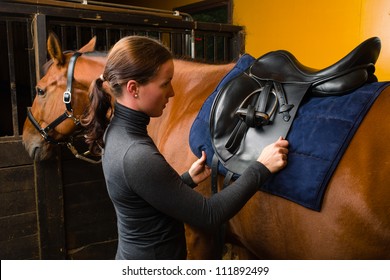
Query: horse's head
[61,97]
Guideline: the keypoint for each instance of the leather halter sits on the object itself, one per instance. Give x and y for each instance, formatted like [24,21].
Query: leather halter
[68,114]
[67,98]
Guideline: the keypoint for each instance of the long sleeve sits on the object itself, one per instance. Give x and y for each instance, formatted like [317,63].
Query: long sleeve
[159,184]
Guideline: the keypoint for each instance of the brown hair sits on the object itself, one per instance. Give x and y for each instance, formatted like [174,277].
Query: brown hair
[131,58]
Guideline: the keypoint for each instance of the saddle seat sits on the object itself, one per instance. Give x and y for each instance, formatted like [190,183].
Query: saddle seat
[348,73]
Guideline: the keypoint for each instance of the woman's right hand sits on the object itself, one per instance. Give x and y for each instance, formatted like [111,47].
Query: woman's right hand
[274,156]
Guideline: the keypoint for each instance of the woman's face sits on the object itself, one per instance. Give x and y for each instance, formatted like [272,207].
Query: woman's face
[153,96]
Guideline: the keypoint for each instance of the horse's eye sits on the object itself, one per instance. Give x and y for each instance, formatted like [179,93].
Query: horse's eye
[39,91]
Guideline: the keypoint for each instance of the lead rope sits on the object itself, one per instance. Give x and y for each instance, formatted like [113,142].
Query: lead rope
[82,156]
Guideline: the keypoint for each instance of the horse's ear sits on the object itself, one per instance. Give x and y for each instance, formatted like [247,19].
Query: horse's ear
[90,46]
[54,49]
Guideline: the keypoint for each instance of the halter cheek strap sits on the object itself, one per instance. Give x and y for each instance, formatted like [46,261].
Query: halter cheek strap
[67,98]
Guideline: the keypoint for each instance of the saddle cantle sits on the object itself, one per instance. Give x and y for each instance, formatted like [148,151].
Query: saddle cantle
[255,108]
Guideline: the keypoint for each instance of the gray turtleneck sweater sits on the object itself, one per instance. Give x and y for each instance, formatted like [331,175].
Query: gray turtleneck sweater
[152,201]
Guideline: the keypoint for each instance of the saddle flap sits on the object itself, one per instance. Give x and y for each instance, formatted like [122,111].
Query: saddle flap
[236,143]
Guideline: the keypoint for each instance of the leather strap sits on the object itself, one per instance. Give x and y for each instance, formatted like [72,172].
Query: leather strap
[236,136]
[214,174]
[67,98]
[284,107]
[262,99]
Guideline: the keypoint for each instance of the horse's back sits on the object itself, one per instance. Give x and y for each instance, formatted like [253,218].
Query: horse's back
[354,221]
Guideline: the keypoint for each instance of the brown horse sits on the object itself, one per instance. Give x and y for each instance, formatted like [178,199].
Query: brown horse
[354,222]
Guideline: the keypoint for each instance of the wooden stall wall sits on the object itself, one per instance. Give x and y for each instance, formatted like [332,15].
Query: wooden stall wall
[18,216]
[19,234]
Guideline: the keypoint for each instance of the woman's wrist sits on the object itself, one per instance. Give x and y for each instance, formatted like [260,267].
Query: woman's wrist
[186,177]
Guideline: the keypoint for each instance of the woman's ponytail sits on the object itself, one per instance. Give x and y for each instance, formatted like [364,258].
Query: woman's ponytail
[97,117]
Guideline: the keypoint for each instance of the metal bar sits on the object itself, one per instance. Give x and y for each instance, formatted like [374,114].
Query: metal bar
[184,44]
[124,6]
[171,42]
[108,39]
[93,31]
[63,37]
[78,37]
[205,47]
[215,52]
[122,15]
[11,67]
[31,56]
[101,6]
[225,49]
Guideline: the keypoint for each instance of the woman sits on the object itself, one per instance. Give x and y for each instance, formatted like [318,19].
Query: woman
[151,200]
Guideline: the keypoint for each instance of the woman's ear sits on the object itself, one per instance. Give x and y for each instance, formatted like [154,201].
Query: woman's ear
[132,88]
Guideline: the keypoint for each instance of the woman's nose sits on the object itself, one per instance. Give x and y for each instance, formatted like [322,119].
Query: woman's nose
[172,92]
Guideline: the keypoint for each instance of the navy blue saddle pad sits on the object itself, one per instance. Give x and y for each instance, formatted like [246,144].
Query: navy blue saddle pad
[319,135]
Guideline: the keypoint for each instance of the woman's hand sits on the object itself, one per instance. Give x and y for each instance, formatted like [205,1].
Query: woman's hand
[274,156]
[199,171]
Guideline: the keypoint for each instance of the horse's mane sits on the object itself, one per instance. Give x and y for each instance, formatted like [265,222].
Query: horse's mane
[49,63]
[190,59]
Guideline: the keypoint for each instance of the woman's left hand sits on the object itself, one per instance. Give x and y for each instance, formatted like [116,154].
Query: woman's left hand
[199,171]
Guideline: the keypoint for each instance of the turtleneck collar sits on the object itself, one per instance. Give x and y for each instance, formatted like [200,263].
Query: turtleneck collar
[134,121]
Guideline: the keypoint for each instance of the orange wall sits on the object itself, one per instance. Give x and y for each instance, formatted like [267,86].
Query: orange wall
[317,32]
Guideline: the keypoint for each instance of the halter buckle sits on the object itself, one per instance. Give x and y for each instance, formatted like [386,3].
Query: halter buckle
[67,96]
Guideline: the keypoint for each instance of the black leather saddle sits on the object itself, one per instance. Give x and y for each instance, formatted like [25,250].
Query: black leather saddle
[255,108]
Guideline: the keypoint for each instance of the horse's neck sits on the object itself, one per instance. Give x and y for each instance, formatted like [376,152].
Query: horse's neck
[88,69]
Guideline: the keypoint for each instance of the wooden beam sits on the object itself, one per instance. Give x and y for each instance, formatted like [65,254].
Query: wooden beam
[50,208]
[39,37]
